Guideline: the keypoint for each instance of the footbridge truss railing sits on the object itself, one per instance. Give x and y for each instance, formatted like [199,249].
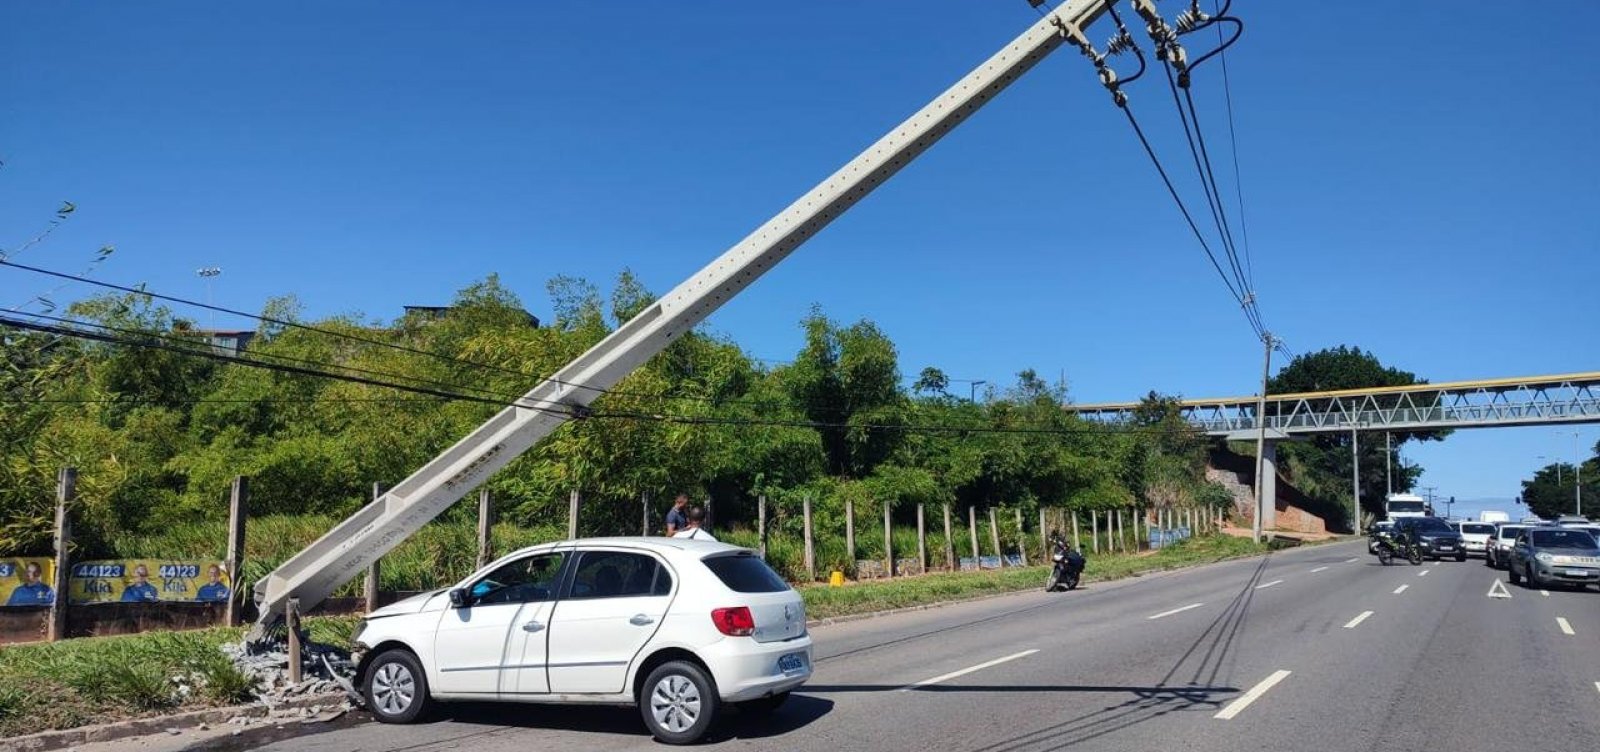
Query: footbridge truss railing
[1530,401]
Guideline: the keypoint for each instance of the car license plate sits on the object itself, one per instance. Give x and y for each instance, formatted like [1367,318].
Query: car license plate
[1579,572]
[792,663]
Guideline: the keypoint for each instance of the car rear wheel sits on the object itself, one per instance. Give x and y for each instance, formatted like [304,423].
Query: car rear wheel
[678,702]
[396,689]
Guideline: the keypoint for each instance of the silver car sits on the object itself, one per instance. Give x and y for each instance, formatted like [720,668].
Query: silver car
[1499,551]
[1547,555]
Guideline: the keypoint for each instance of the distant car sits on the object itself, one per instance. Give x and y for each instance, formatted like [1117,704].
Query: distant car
[1568,520]
[1554,554]
[678,628]
[1499,552]
[1381,526]
[1434,536]
[1475,537]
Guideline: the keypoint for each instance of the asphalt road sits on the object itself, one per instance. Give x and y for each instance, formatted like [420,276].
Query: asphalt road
[1319,648]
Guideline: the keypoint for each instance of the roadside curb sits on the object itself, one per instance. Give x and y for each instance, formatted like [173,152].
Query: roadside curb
[846,618]
[118,730]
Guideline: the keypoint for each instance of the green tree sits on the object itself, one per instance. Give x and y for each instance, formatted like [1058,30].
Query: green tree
[1325,462]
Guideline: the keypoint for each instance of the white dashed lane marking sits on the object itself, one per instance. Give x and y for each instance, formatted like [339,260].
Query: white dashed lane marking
[1566,626]
[1353,623]
[1400,589]
[1318,569]
[1255,693]
[965,671]
[1178,610]
[1266,585]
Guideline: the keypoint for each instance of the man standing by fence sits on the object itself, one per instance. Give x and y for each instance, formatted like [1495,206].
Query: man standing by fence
[676,519]
[697,517]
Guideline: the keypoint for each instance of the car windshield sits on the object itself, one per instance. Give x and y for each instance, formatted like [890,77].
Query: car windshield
[1405,506]
[1562,539]
[743,573]
[1477,528]
[1430,525]
[1510,531]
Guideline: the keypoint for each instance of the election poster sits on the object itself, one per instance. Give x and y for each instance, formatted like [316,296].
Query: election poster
[26,582]
[148,581]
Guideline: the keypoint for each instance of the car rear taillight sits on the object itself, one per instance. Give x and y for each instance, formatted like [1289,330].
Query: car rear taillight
[734,622]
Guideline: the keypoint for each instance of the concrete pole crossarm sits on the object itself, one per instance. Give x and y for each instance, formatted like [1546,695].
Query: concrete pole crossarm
[338,556]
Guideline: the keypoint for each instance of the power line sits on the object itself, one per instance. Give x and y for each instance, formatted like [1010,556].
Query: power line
[353,337]
[72,332]
[317,364]
[1233,141]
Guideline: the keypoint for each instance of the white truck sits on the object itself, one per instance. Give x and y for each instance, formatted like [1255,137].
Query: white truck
[1490,515]
[1406,505]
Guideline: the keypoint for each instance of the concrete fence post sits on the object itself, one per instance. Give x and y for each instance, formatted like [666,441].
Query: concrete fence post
[1077,545]
[994,533]
[369,588]
[1094,529]
[888,539]
[66,493]
[922,541]
[1022,548]
[761,523]
[850,533]
[949,541]
[485,527]
[811,551]
[238,506]
[574,502]
[972,530]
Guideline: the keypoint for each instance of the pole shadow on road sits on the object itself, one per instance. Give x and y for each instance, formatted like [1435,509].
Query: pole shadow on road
[800,711]
[1198,669]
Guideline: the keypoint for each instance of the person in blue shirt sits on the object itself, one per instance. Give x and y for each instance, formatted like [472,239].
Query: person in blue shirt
[213,591]
[677,520]
[31,592]
[141,590]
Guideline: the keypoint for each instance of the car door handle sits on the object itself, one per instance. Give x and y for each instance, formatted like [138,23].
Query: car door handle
[532,626]
[640,620]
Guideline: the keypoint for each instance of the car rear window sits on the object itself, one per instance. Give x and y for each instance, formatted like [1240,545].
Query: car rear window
[1477,528]
[744,573]
[1510,531]
[1562,539]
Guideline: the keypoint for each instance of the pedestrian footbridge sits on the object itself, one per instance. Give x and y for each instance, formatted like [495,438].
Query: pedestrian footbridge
[1527,401]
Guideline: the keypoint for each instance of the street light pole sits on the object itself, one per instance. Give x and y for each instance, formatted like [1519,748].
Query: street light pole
[1388,463]
[207,272]
[1577,487]
[972,389]
[1261,436]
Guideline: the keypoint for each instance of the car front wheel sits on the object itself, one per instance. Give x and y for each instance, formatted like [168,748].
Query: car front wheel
[678,702]
[1516,579]
[396,689]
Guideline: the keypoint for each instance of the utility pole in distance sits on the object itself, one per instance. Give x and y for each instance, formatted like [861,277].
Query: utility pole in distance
[1261,434]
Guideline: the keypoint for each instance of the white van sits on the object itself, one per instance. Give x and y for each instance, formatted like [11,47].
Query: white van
[1493,517]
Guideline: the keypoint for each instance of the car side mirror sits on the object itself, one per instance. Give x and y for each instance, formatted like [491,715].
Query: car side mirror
[460,598]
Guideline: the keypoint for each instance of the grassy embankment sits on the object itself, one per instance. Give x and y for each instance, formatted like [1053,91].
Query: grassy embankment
[78,682]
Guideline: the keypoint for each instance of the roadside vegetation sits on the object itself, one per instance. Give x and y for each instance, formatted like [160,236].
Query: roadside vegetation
[157,435]
[96,680]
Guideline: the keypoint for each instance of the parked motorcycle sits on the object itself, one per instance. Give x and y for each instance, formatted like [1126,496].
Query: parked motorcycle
[1067,565]
[1391,545]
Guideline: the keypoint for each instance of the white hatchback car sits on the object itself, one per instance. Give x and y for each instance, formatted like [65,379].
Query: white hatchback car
[677,627]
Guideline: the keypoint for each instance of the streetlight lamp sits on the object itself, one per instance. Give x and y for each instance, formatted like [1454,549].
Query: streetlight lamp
[206,273]
[1558,467]
[972,389]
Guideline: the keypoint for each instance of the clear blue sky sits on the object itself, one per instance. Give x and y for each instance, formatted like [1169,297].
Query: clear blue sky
[1420,180]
